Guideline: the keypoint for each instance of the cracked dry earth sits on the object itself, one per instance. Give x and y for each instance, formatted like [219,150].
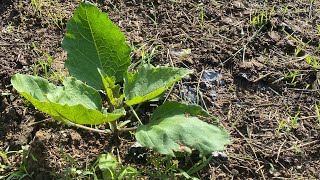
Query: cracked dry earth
[265,92]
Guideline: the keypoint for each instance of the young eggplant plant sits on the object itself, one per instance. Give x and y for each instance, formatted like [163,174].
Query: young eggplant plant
[98,57]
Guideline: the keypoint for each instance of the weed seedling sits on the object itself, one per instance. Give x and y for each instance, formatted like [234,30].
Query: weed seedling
[200,7]
[9,28]
[45,65]
[294,120]
[21,172]
[299,49]
[112,169]
[291,76]
[56,15]
[312,60]
[37,7]
[262,18]
[99,58]
[72,171]
[49,11]
[4,157]
[289,123]
[296,148]
[317,113]
[153,16]
[283,126]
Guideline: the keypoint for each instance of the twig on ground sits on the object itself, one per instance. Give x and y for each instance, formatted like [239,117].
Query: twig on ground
[302,145]
[250,39]
[262,77]
[279,150]
[15,44]
[172,87]
[254,152]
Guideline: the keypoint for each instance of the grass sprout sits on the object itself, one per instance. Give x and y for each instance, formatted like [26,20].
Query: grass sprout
[50,11]
[21,172]
[44,65]
[317,113]
[291,76]
[201,15]
[294,120]
[313,61]
[262,18]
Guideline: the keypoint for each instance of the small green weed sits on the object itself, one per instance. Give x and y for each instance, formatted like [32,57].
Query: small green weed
[4,157]
[296,148]
[289,123]
[9,28]
[310,59]
[169,168]
[300,48]
[153,17]
[37,6]
[317,113]
[50,11]
[282,125]
[19,173]
[45,65]
[200,8]
[165,167]
[147,53]
[285,10]
[294,120]
[112,169]
[73,171]
[262,18]
[313,61]
[291,76]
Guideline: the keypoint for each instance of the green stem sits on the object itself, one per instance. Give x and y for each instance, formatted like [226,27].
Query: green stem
[106,131]
[135,114]
[114,126]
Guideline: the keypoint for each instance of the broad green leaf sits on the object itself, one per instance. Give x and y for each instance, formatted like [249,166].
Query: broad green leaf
[107,164]
[112,90]
[107,161]
[93,41]
[174,127]
[149,82]
[74,101]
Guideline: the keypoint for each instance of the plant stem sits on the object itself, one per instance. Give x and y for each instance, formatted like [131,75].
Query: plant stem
[130,117]
[106,131]
[127,129]
[113,126]
[135,114]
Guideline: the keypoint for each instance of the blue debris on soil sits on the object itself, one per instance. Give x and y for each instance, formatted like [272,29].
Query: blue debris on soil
[190,94]
[212,76]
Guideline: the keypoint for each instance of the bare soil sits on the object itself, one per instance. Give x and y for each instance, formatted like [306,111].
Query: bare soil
[255,98]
